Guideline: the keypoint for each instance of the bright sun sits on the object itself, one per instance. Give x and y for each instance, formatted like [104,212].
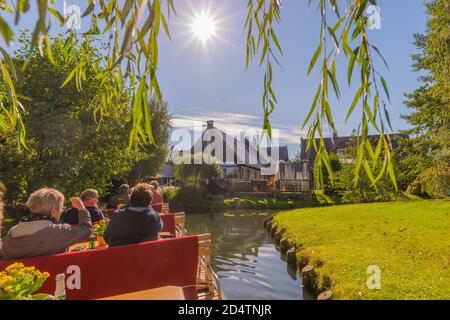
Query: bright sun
[204,26]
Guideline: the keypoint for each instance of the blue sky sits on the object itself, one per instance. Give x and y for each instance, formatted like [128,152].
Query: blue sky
[210,82]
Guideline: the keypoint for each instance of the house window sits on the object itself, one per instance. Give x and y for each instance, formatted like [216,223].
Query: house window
[232,172]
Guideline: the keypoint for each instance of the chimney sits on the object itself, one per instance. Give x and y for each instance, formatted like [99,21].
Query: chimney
[210,124]
[335,134]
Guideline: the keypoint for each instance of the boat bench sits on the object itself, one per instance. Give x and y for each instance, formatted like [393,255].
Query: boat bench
[96,274]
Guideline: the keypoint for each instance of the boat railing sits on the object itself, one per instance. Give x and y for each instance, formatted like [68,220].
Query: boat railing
[208,284]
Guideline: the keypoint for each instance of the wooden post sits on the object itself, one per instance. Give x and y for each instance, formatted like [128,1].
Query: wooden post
[327,295]
[308,277]
[274,229]
[284,242]
[268,219]
[279,235]
[291,257]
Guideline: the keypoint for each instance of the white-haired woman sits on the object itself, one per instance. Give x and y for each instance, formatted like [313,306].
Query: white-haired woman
[39,233]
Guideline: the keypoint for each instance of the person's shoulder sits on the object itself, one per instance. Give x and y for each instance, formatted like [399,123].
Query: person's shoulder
[118,213]
[71,211]
[152,213]
[94,210]
[70,216]
[59,226]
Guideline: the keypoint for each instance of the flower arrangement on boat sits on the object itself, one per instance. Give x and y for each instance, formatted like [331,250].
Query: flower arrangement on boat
[100,228]
[18,282]
[99,231]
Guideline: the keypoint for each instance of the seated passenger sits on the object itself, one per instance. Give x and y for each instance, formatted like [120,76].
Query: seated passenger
[136,223]
[90,201]
[39,234]
[156,196]
[121,199]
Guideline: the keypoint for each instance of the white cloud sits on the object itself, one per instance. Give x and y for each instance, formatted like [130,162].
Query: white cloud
[235,122]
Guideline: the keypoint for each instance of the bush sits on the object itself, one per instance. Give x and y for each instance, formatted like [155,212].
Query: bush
[363,191]
[260,203]
[188,198]
[218,198]
[435,181]
[169,193]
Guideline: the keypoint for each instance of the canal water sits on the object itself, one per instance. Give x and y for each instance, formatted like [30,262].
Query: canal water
[245,257]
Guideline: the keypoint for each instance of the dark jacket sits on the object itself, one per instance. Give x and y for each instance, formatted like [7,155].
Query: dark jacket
[71,215]
[133,225]
[43,237]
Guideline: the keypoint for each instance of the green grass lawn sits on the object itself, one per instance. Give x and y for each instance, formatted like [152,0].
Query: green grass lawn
[409,241]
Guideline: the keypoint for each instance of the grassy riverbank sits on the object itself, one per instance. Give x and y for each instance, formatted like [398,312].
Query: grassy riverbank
[409,241]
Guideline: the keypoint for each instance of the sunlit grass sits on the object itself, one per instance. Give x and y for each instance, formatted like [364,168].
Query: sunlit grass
[409,241]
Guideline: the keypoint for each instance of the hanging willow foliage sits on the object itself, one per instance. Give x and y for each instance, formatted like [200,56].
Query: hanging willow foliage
[349,30]
[133,28]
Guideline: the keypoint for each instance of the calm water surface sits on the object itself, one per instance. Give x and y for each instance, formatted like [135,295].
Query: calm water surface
[245,258]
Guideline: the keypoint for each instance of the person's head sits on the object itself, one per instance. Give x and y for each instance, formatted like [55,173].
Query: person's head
[46,201]
[141,195]
[89,195]
[155,184]
[124,188]
[147,180]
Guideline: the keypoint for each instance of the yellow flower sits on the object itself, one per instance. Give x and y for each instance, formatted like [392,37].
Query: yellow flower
[17,279]
[14,266]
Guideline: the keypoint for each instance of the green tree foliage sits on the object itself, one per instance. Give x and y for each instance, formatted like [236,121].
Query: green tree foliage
[425,160]
[336,166]
[189,198]
[133,28]
[343,28]
[194,169]
[66,146]
[156,153]
[363,190]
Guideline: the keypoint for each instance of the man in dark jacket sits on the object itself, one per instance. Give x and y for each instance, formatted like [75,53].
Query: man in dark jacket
[90,201]
[120,199]
[137,223]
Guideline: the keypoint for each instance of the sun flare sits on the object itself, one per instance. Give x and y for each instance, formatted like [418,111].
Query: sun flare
[204,26]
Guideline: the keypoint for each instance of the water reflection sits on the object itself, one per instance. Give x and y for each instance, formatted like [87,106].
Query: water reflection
[245,258]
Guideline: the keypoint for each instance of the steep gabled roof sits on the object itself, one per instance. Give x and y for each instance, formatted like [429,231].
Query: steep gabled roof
[283,152]
[332,144]
[233,150]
